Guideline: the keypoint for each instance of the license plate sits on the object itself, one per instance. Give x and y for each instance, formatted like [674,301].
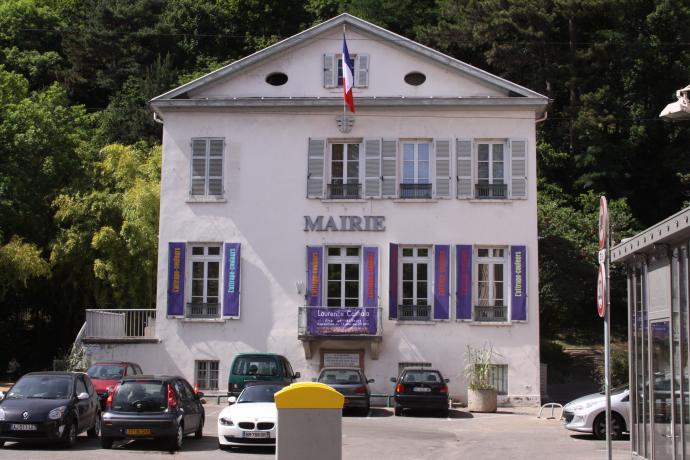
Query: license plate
[255,434]
[23,427]
[421,389]
[139,431]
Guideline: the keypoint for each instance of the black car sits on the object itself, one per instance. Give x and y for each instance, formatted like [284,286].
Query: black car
[421,388]
[152,407]
[351,383]
[50,406]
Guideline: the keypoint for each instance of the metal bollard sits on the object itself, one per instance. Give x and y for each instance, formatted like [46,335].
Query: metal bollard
[309,422]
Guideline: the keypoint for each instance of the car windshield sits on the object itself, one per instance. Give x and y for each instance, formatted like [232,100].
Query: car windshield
[141,396]
[265,366]
[422,376]
[106,372]
[42,387]
[259,393]
[340,376]
[615,391]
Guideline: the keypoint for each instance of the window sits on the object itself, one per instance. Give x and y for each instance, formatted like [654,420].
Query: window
[403,365]
[81,386]
[492,266]
[414,283]
[491,171]
[205,280]
[333,70]
[416,182]
[498,378]
[344,168]
[207,168]
[342,277]
[206,374]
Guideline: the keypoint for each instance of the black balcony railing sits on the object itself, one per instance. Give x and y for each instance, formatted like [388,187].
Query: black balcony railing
[415,191]
[490,314]
[414,312]
[337,191]
[491,191]
[203,310]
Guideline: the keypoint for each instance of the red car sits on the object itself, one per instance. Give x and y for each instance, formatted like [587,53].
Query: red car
[106,374]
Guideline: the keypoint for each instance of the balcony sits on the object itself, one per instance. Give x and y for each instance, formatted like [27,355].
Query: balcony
[202,311]
[336,191]
[491,191]
[490,314]
[415,191]
[414,312]
[349,323]
[134,325]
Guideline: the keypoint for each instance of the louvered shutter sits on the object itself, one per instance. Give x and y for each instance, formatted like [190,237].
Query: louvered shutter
[315,167]
[463,152]
[231,284]
[362,70]
[372,168]
[198,182]
[442,150]
[389,151]
[518,168]
[393,281]
[176,271]
[330,79]
[463,283]
[215,167]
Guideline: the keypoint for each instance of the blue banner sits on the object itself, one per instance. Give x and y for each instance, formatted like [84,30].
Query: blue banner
[176,252]
[231,283]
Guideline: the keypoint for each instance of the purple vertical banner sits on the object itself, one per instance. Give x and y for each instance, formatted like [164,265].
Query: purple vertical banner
[463,282]
[176,252]
[393,281]
[441,281]
[231,281]
[314,274]
[371,275]
[518,283]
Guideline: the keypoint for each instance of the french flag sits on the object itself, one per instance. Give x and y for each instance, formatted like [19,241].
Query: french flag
[348,77]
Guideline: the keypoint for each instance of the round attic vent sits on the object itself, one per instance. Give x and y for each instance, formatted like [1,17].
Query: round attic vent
[415,78]
[276,79]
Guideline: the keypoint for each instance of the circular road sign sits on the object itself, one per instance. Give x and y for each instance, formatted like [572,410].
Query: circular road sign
[601,291]
[603,222]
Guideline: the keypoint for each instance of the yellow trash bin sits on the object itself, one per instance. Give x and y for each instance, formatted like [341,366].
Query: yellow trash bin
[309,422]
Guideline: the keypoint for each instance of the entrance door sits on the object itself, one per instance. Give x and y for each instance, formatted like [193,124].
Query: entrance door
[662,396]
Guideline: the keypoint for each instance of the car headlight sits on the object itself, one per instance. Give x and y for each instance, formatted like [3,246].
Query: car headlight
[583,406]
[2,415]
[57,413]
[225,421]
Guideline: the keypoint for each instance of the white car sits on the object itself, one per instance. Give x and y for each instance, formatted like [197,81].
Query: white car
[251,418]
[588,413]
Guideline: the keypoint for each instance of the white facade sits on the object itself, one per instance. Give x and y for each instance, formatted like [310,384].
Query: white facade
[266,131]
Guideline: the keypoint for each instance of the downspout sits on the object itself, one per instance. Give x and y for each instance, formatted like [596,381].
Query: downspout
[156,118]
[538,120]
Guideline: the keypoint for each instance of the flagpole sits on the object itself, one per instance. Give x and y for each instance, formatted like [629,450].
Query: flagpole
[343,77]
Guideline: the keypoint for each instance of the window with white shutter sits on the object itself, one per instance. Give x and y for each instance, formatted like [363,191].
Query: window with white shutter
[442,151]
[389,153]
[372,168]
[491,170]
[315,167]
[518,168]
[361,70]
[463,152]
[333,70]
[207,167]
[329,71]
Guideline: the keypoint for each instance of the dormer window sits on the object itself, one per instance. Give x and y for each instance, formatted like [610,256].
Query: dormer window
[333,70]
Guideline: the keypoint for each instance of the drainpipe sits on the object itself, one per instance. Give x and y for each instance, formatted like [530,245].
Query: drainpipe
[537,121]
[156,118]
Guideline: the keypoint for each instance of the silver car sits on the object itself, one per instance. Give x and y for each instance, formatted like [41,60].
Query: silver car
[588,413]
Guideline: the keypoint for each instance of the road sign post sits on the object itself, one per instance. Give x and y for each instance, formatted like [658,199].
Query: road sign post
[604,309]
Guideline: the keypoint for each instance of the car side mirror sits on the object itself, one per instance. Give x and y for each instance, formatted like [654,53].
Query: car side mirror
[394,380]
[2,395]
[232,400]
[297,375]
[371,381]
[446,380]
[198,395]
[82,396]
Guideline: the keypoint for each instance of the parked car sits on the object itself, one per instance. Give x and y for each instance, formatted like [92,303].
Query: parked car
[152,407]
[351,383]
[421,388]
[588,413]
[249,367]
[106,374]
[251,419]
[50,406]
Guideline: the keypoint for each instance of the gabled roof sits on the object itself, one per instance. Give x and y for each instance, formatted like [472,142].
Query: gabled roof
[516,91]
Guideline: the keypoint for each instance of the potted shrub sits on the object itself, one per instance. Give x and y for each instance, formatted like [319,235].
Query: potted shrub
[481,395]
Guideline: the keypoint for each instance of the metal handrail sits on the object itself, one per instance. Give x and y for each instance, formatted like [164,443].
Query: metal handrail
[202,310]
[491,191]
[413,191]
[414,312]
[120,323]
[352,191]
[490,313]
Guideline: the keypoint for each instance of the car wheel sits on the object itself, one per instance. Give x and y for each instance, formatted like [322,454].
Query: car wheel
[199,433]
[365,411]
[69,436]
[176,442]
[2,443]
[106,442]
[94,431]
[398,411]
[599,428]
[445,413]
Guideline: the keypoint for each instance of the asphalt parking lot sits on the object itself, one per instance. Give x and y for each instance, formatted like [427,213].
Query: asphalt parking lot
[508,434]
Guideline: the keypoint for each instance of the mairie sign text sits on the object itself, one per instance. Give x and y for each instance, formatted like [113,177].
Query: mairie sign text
[345,224]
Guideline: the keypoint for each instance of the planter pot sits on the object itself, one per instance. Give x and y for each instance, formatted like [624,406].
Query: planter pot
[482,400]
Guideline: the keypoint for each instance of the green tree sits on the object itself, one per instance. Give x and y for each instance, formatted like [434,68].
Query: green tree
[20,261]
